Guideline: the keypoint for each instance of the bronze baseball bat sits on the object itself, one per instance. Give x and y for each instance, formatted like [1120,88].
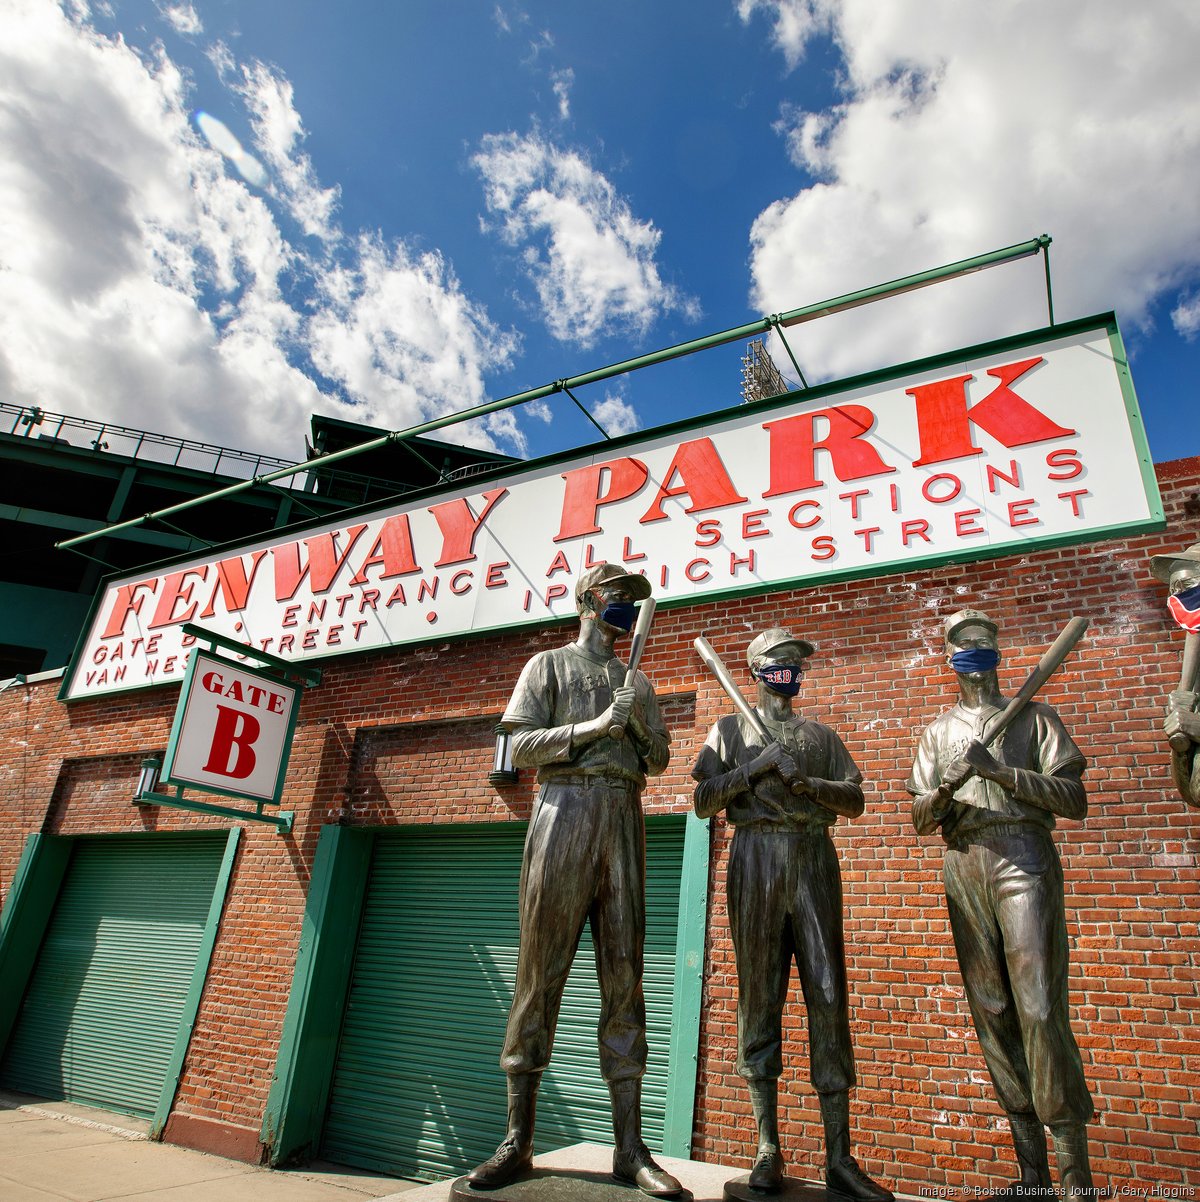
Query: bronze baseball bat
[1050,663]
[716,666]
[641,632]
[1187,683]
[1058,651]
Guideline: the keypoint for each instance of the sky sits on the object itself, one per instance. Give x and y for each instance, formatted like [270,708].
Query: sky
[219,217]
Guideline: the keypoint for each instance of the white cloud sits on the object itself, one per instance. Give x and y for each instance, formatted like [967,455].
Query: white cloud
[963,128]
[183,18]
[1186,316]
[396,332]
[616,415]
[144,284]
[794,22]
[591,261]
[277,132]
[562,82]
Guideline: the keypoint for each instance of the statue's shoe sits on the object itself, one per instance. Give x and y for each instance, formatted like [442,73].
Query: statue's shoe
[844,1177]
[637,1167]
[506,1164]
[767,1174]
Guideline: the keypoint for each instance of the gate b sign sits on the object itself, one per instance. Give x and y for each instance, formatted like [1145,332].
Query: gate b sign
[233,730]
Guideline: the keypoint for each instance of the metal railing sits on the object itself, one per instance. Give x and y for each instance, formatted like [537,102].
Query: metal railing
[40,425]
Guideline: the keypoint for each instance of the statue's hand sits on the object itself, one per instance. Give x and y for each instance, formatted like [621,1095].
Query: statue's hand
[986,765]
[957,773]
[770,757]
[623,702]
[982,760]
[1182,699]
[1183,721]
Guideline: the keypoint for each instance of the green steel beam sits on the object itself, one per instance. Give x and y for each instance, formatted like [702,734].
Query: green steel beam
[764,325]
[282,820]
[23,921]
[299,1095]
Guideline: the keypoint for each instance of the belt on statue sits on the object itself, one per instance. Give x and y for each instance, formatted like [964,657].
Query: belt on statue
[992,830]
[588,780]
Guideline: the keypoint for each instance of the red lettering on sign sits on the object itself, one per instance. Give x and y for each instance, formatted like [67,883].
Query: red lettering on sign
[590,487]
[322,566]
[232,750]
[459,525]
[177,588]
[965,523]
[794,447]
[392,550]
[702,478]
[233,584]
[1068,463]
[944,422]
[125,603]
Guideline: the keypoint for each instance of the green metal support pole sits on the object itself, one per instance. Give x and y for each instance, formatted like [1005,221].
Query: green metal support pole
[580,406]
[1049,291]
[838,304]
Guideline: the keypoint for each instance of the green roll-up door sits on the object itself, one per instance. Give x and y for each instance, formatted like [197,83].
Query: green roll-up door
[417,1087]
[104,1004]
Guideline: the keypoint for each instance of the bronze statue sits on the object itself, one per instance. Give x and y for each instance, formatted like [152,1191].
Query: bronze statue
[1004,892]
[1181,574]
[783,779]
[584,862]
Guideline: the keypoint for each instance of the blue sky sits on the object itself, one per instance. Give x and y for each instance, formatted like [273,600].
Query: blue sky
[446,203]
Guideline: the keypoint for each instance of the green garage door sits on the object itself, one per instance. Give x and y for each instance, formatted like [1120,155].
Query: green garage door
[105,1003]
[417,1088]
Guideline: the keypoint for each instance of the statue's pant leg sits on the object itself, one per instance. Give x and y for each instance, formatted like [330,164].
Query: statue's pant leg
[619,937]
[1006,912]
[816,913]
[756,887]
[558,875]
[1028,890]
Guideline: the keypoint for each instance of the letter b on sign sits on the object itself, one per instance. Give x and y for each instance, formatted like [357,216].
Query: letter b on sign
[232,751]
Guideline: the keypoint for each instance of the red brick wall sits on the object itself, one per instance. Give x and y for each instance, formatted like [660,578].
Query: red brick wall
[405,737]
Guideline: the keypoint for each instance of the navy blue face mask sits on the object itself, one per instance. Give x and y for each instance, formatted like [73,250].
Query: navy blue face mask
[620,614]
[978,659]
[781,678]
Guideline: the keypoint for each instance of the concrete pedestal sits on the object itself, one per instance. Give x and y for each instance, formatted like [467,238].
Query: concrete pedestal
[583,1173]
[740,1190]
[556,1185]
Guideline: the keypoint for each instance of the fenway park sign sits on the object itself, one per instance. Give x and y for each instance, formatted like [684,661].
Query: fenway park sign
[1031,441]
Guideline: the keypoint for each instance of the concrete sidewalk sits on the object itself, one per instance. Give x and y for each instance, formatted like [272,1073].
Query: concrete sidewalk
[59,1152]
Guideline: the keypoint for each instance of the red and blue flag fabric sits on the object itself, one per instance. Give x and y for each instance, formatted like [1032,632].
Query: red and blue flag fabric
[1185,608]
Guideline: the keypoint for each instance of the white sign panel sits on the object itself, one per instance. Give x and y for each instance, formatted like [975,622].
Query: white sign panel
[232,732]
[1013,445]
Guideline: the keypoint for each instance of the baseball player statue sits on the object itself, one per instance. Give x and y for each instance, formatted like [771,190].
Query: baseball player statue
[782,780]
[584,862]
[1004,891]
[1180,572]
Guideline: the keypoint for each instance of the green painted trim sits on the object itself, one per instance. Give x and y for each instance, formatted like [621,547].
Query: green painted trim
[1136,426]
[684,1056]
[24,919]
[191,1004]
[295,1110]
